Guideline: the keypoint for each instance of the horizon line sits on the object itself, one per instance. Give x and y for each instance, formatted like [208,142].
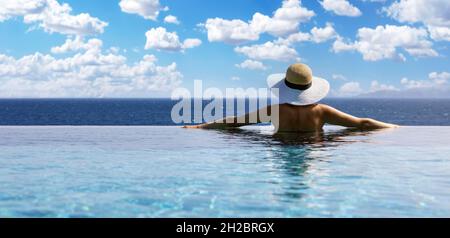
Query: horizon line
[148,98]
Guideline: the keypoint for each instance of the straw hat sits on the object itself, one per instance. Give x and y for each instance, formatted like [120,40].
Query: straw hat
[298,86]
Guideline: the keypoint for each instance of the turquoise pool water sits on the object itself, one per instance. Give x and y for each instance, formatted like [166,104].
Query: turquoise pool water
[174,172]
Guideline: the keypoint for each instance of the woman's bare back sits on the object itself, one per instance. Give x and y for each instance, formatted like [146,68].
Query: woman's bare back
[300,118]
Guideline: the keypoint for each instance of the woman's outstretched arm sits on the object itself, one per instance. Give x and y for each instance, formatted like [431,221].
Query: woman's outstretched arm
[234,122]
[336,117]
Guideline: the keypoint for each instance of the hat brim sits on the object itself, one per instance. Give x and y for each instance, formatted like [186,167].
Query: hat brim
[318,91]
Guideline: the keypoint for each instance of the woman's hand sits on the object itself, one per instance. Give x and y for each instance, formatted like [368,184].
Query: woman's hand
[212,125]
[392,125]
[195,126]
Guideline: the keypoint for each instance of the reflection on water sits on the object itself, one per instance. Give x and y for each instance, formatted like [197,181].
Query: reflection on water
[313,139]
[292,153]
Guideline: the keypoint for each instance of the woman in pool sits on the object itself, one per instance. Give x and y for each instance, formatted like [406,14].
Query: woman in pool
[298,108]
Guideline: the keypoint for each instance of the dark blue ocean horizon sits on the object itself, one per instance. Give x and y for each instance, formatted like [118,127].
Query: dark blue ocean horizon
[157,111]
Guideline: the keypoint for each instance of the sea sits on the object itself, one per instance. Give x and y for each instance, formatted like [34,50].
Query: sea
[145,112]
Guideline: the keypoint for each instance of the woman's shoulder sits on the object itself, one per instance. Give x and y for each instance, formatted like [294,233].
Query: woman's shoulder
[326,109]
[313,107]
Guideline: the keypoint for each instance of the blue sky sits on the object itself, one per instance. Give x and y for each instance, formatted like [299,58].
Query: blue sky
[359,46]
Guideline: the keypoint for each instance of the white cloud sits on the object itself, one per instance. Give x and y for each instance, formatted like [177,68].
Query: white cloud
[439,78]
[410,84]
[320,35]
[51,16]
[294,38]
[384,41]
[341,8]
[436,86]
[375,86]
[268,51]
[230,31]
[432,13]
[90,73]
[160,39]
[114,50]
[171,19]
[148,9]
[10,8]
[439,33]
[77,44]
[435,80]
[350,89]
[191,43]
[285,20]
[235,78]
[317,35]
[339,77]
[339,46]
[252,65]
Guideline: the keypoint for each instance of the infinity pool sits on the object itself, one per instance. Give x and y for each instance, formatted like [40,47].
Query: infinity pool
[174,172]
